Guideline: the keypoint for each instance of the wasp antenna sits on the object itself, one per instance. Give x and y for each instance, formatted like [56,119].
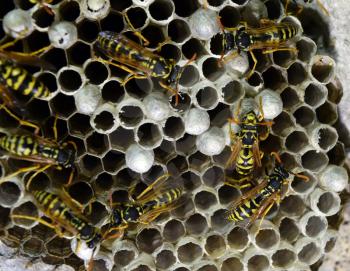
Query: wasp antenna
[277,157]
[301,176]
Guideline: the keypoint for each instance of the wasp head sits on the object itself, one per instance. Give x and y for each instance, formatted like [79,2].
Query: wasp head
[282,172]
[242,39]
[228,42]
[250,118]
[174,75]
[66,157]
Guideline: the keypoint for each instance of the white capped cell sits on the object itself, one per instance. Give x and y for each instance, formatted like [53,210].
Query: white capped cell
[204,24]
[18,23]
[156,106]
[211,142]
[95,9]
[138,159]
[271,103]
[197,121]
[87,99]
[334,178]
[63,34]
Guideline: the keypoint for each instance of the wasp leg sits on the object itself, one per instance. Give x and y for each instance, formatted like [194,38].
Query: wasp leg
[268,51]
[152,185]
[120,66]
[133,76]
[22,170]
[35,174]
[135,32]
[159,46]
[20,121]
[264,209]
[254,65]
[230,57]
[322,7]
[174,91]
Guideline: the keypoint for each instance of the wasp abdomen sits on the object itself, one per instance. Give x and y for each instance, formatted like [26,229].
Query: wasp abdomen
[21,145]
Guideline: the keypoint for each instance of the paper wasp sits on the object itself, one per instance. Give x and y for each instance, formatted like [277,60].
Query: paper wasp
[257,202]
[140,62]
[45,153]
[157,198]
[270,37]
[246,154]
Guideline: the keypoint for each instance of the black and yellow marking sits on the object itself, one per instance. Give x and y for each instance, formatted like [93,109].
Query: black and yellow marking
[21,145]
[164,199]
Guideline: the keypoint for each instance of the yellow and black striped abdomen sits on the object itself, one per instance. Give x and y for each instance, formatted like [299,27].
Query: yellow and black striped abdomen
[20,80]
[245,161]
[21,145]
[245,210]
[165,198]
[287,32]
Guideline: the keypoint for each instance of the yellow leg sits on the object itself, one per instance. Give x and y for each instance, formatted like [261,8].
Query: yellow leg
[174,91]
[152,185]
[265,213]
[36,174]
[254,66]
[229,57]
[8,44]
[123,67]
[294,50]
[35,52]
[135,32]
[54,128]
[20,121]
[133,76]
[22,170]
[286,7]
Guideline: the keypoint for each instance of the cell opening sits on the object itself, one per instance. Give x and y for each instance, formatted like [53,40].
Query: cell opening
[314,161]
[219,220]
[148,240]
[185,8]
[296,141]
[103,182]
[91,163]
[284,59]
[113,22]
[283,258]
[204,200]
[196,224]
[198,161]
[70,80]
[88,30]
[137,17]
[96,72]
[4,216]
[121,138]
[327,138]
[300,186]
[191,180]
[81,192]
[193,47]
[42,18]
[255,80]
[28,209]
[174,127]
[273,78]
[282,124]
[232,92]
[178,30]
[63,105]
[293,205]
[39,182]
[121,5]
[288,229]
[228,194]
[306,49]
[113,161]
[173,230]
[154,35]
[229,16]
[124,257]
[309,253]
[326,202]
[170,51]
[323,69]
[165,259]
[130,115]
[304,116]
[212,70]
[9,193]
[69,11]
[113,92]
[213,176]
[97,143]
[232,264]
[189,252]
[238,238]
[104,120]
[207,97]
[315,225]
[189,77]
[96,212]
[49,80]
[258,263]
[33,247]
[79,124]
[266,238]
[149,135]
[161,10]
[327,113]
[138,88]
[296,74]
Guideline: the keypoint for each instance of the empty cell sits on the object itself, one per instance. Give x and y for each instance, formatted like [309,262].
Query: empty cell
[96,212]
[204,200]
[88,30]
[63,105]
[314,226]
[300,186]
[232,92]
[219,221]
[315,94]
[91,163]
[96,72]
[193,47]
[177,165]
[189,252]
[212,70]
[10,193]
[33,247]
[69,80]
[173,230]
[216,44]
[198,161]
[121,138]
[326,137]
[232,264]
[130,115]
[137,16]
[309,252]
[165,151]
[267,238]
[81,192]
[228,194]
[165,259]
[284,58]
[323,68]
[49,80]
[153,173]
[124,257]
[215,246]
[283,258]
[28,209]
[282,124]
[113,22]
[229,16]
[103,182]
[97,143]
[4,216]
[196,224]
[255,80]
[174,128]
[328,203]
[314,161]
[271,144]
[258,263]
[296,141]
[337,155]
[290,98]
[113,161]
[238,238]
[304,115]
[213,176]
[274,78]
[178,30]
[306,49]
[38,110]
[104,120]
[327,113]
[69,11]
[39,182]
[112,91]
[191,180]
[218,117]
[148,240]
[56,57]
[296,74]
[335,90]
[186,145]
[185,9]
[293,205]
[138,88]
[189,76]
[154,35]
[120,196]
[171,51]
[42,18]
[289,230]
[149,135]
[59,247]
[79,124]
[207,97]
[53,260]
[161,10]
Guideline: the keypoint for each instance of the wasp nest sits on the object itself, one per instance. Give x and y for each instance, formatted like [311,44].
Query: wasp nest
[135,133]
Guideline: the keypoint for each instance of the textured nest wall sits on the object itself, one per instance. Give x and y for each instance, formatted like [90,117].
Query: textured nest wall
[132,134]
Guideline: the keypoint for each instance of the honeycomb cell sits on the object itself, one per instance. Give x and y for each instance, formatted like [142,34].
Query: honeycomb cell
[258,263]
[78,53]
[173,230]
[193,47]
[130,115]
[282,124]
[284,59]
[4,216]
[274,78]
[290,98]
[313,225]
[70,80]
[63,105]
[296,74]
[238,238]
[300,186]
[198,161]
[59,247]
[191,180]
[121,139]
[81,192]
[33,247]
[211,68]
[314,161]
[138,88]
[96,72]
[186,145]
[215,246]
[284,258]
[228,194]
[185,9]
[178,31]
[10,193]
[315,94]
[91,164]
[165,259]
[174,128]
[27,209]
[304,115]
[189,252]
[219,221]
[189,77]
[267,238]
[149,135]
[296,141]
[112,22]
[308,251]
[306,49]
[327,113]
[97,143]
[124,257]
[323,68]
[289,230]
[112,91]
[204,200]
[148,240]
[335,90]
[232,92]
[325,203]
[232,264]
[196,224]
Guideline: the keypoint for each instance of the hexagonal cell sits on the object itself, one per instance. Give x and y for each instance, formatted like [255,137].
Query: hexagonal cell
[219,220]
[185,9]
[125,177]
[267,238]
[300,186]
[96,72]
[78,53]
[228,194]
[207,97]
[304,115]
[10,193]
[293,205]
[124,257]
[213,176]
[97,143]
[219,115]
[69,11]
[284,58]
[283,258]
[232,264]
[59,247]
[173,230]
[315,94]
[196,224]
[309,253]
[103,182]
[232,92]
[130,115]
[56,57]
[149,135]
[337,155]
[323,68]
[39,110]
[327,113]
[27,209]
[112,22]
[121,138]
[186,145]
[112,91]
[33,247]
[204,200]
[255,80]
[274,78]
[69,80]
[165,259]
[49,80]
[335,90]
[153,173]
[174,128]
[296,141]
[296,74]
[138,88]
[222,158]
[63,105]
[96,212]
[289,230]
[314,161]
[238,238]
[17,233]
[88,30]
[271,144]
[290,98]
[282,124]
[81,192]
[191,47]
[91,164]
[177,165]
[229,16]
[185,209]
[154,34]
[191,180]
[79,124]
[137,16]
[306,49]
[289,160]
[189,252]
[178,30]
[198,161]
[212,70]
[4,216]
[148,240]
[113,161]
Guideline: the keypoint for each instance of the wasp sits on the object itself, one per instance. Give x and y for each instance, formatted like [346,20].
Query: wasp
[257,202]
[300,7]
[44,152]
[139,61]
[245,151]
[157,198]
[270,37]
